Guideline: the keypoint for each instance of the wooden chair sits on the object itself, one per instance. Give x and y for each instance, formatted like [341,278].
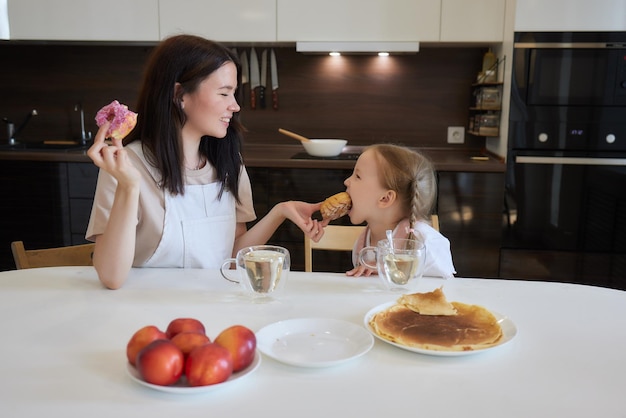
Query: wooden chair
[434,220]
[74,255]
[339,238]
[336,238]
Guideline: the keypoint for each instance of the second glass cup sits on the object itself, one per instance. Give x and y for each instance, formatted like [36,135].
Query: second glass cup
[399,266]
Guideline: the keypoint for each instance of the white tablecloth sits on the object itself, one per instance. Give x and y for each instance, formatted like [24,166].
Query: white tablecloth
[64,336]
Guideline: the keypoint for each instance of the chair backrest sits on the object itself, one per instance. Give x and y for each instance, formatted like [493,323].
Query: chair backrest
[336,238]
[339,238]
[434,220]
[73,255]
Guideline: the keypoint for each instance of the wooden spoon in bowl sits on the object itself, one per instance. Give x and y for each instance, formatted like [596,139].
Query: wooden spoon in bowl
[294,135]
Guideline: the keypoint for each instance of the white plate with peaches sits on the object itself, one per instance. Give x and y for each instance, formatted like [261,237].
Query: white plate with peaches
[182,386]
[183,359]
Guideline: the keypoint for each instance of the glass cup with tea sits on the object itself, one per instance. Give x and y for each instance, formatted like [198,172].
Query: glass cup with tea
[262,270]
[399,265]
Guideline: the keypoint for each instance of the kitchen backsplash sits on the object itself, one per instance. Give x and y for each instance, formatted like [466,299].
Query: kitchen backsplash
[408,99]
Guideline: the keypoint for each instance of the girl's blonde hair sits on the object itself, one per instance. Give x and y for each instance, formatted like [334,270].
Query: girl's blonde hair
[411,175]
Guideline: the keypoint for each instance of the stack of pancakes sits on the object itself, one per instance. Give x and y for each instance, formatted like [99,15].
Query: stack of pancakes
[428,321]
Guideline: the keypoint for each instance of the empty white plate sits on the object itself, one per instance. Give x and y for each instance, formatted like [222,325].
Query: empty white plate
[314,342]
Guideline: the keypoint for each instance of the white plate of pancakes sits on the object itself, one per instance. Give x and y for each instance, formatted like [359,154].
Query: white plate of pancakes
[509,330]
[313,342]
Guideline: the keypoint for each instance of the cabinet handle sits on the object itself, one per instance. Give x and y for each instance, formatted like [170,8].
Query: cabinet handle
[571,160]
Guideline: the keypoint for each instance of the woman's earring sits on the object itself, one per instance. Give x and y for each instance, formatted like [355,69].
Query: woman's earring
[182,105]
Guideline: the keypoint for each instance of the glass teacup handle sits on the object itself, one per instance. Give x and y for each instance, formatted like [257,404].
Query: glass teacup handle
[362,255]
[227,263]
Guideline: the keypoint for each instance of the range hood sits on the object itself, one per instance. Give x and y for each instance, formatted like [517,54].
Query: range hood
[357,47]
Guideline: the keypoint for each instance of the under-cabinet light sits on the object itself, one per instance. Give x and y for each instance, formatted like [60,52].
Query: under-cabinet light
[357,47]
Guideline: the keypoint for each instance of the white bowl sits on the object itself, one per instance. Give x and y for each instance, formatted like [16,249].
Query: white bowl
[324,147]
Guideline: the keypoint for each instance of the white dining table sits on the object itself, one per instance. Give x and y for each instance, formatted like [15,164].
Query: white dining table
[64,336]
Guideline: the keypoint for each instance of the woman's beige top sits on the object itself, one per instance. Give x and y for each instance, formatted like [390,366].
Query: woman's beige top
[151,210]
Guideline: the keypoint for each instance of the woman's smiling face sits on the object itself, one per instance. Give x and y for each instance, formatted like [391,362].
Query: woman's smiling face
[211,106]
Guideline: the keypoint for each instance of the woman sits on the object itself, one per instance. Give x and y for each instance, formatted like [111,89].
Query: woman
[177,194]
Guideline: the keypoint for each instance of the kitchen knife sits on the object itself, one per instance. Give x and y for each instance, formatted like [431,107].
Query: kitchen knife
[263,83]
[245,75]
[255,78]
[274,75]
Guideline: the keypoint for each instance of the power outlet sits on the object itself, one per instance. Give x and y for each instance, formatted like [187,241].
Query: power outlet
[456,134]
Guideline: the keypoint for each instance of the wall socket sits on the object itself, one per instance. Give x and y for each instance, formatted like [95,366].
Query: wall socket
[456,134]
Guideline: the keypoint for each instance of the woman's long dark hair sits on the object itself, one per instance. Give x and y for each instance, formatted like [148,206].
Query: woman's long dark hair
[187,60]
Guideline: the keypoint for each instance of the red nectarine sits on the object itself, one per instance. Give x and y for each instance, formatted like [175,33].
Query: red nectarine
[142,338]
[179,325]
[241,343]
[208,364]
[160,363]
[187,341]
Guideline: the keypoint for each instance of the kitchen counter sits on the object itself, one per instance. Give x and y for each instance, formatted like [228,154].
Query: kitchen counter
[293,156]
[78,154]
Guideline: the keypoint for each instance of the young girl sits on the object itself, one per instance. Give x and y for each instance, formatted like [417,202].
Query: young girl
[393,187]
[177,194]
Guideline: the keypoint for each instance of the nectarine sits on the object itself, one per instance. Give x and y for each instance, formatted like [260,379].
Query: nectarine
[179,325]
[208,364]
[142,338]
[241,343]
[160,363]
[187,341]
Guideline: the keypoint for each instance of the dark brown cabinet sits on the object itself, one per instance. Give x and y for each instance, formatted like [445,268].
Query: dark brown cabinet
[470,208]
[44,204]
[81,185]
[32,206]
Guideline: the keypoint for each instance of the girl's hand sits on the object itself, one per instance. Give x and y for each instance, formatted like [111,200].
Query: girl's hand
[113,158]
[361,271]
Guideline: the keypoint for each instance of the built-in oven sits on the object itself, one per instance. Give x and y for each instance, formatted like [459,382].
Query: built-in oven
[570,69]
[566,166]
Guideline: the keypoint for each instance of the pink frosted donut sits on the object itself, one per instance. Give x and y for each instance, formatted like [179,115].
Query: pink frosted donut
[122,120]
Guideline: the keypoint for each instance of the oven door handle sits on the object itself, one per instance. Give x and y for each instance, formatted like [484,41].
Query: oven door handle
[526,159]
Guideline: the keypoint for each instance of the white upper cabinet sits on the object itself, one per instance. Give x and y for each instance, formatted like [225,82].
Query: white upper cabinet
[292,20]
[472,20]
[570,15]
[358,20]
[224,21]
[88,20]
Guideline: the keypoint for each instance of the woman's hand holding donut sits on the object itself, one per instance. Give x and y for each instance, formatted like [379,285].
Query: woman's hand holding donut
[113,158]
[300,213]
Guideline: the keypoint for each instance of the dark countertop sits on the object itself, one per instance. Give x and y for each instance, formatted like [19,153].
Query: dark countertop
[59,155]
[445,159]
[293,156]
